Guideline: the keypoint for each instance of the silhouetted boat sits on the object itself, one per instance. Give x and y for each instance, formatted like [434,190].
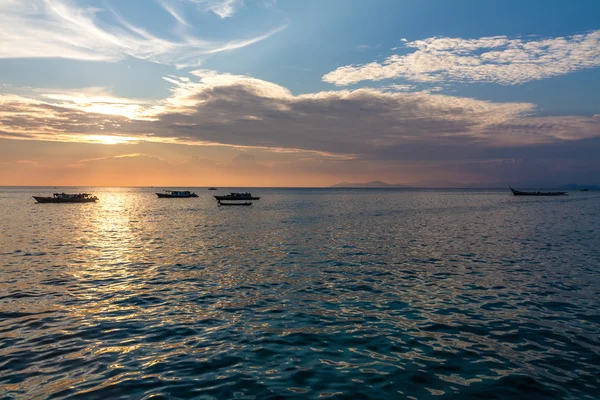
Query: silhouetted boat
[521,193]
[246,203]
[212,188]
[237,196]
[585,190]
[67,198]
[176,194]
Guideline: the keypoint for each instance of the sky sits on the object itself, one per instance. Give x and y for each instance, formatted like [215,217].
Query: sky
[299,93]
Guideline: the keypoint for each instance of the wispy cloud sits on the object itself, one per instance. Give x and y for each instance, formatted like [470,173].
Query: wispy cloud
[99,100]
[400,88]
[173,12]
[295,68]
[222,8]
[498,59]
[128,155]
[237,44]
[365,47]
[60,28]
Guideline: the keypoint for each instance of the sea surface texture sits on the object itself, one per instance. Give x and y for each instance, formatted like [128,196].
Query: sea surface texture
[306,294]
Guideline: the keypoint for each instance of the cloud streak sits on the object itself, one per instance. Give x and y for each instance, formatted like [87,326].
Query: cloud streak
[222,8]
[59,28]
[173,12]
[498,59]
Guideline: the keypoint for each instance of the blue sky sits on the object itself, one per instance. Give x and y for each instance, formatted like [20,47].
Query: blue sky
[466,79]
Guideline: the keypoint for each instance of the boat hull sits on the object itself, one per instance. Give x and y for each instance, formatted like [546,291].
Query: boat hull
[170,196]
[59,200]
[227,197]
[247,203]
[521,193]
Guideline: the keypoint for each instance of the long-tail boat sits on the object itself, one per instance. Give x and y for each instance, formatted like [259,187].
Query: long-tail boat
[521,193]
[237,196]
[67,198]
[176,194]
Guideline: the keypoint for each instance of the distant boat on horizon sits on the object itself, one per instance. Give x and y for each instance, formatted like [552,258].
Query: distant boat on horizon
[67,198]
[176,194]
[212,188]
[521,193]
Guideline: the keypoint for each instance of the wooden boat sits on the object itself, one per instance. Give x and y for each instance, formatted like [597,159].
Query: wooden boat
[521,193]
[67,198]
[176,194]
[246,203]
[237,196]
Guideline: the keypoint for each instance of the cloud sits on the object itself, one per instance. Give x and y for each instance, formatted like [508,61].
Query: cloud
[32,119]
[243,112]
[222,8]
[400,88]
[60,28]
[238,44]
[498,59]
[98,100]
[365,47]
[173,12]
[129,155]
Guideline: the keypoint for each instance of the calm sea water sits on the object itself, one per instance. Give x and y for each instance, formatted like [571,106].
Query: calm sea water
[307,294]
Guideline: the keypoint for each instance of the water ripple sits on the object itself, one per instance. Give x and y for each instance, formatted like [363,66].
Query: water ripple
[310,294]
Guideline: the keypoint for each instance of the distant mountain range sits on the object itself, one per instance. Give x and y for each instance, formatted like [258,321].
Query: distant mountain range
[373,185]
[574,186]
[457,185]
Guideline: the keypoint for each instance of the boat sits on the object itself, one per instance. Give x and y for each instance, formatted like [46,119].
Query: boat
[237,196]
[246,203]
[521,193]
[67,198]
[212,188]
[176,194]
[585,190]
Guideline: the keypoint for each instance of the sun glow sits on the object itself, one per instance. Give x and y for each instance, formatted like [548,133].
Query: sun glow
[97,100]
[105,139]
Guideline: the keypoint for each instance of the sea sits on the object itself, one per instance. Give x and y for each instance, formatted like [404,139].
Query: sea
[308,293]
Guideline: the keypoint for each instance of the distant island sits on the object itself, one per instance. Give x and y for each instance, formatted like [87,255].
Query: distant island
[462,185]
[371,185]
[574,186]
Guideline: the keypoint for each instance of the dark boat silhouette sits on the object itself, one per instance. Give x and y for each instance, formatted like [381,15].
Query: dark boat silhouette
[521,193]
[237,196]
[246,203]
[176,194]
[67,198]
[212,188]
